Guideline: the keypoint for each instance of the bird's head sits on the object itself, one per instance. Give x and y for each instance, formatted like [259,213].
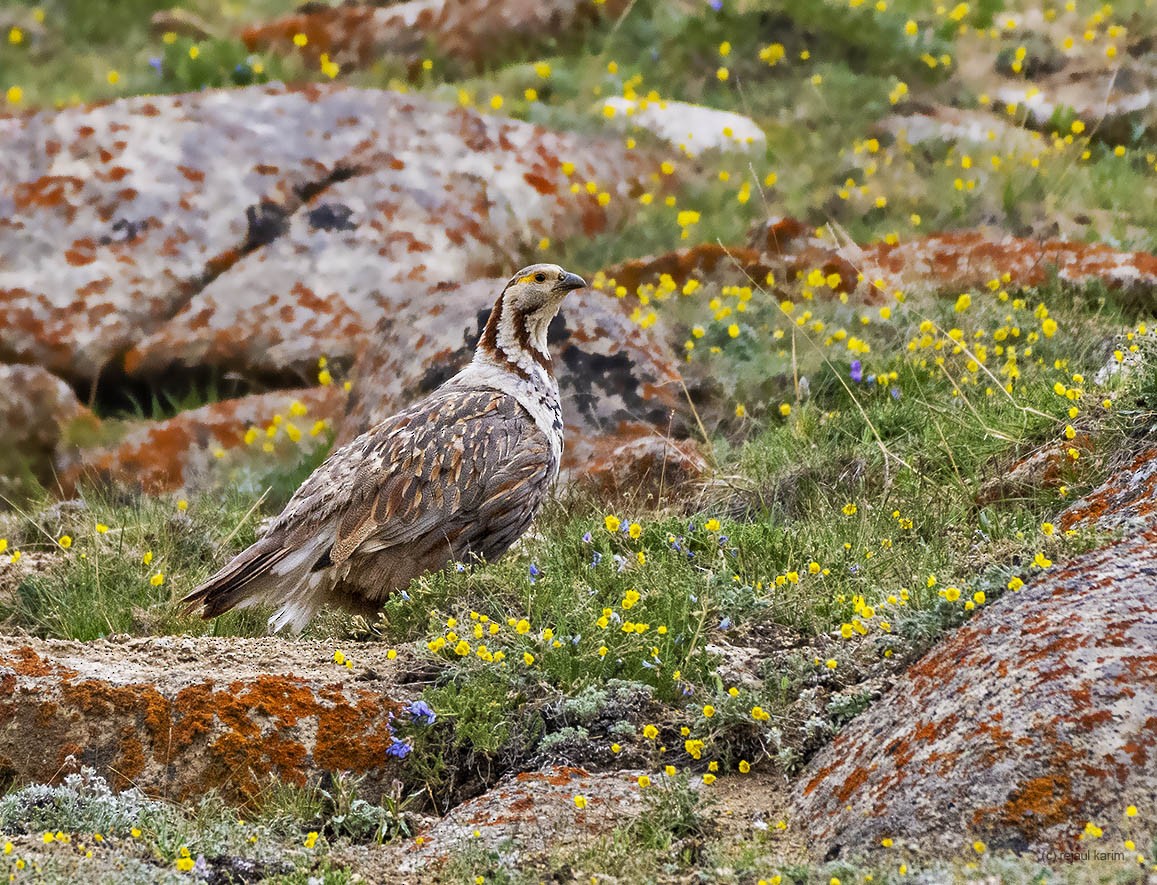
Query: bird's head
[516,330]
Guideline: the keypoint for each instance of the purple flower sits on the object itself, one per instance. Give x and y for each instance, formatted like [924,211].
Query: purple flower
[398,749]
[715,4]
[535,571]
[421,713]
[857,372]
[596,558]
[895,391]
[587,538]
[157,65]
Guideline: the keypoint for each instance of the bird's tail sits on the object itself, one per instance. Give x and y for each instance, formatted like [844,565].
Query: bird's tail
[267,572]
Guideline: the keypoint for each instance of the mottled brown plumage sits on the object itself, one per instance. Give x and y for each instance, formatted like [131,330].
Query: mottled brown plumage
[458,475]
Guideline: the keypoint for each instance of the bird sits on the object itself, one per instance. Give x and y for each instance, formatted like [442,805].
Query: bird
[456,477]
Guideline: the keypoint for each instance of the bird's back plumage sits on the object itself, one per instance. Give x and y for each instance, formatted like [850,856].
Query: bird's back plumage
[458,475]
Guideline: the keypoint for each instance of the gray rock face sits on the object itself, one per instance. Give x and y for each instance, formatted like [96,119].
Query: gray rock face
[252,230]
[1036,718]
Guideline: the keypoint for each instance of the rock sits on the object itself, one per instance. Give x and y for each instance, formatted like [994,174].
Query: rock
[469,31]
[181,716]
[623,405]
[219,440]
[1126,500]
[1035,718]
[947,263]
[1119,95]
[692,128]
[37,410]
[252,230]
[954,125]
[527,813]
[182,22]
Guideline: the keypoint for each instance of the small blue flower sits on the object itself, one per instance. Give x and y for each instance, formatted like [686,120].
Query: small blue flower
[715,4]
[587,538]
[596,558]
[405,596]
[857,372]
[535,571]
[399,749]
[157,65]
[725,624]
[895,391]
[421,713]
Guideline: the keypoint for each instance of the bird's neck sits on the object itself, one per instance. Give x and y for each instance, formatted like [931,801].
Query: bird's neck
[515,342]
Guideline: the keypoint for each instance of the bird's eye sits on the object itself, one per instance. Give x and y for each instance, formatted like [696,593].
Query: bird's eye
[540,278]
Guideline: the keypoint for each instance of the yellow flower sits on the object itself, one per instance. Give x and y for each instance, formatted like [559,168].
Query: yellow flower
[650,732]
[850,509]
[1041,561]
[712,525]
[611,523]
[785,409]
[157,580]
[101,529]
[708,711]
[300,40]
[831,663]
[527,658]
[979,847]
[709,779]
[635,530]
[644,781]
[580,802]
[65,542]
[310,839]
[744,766]
[740,410]
[14,95]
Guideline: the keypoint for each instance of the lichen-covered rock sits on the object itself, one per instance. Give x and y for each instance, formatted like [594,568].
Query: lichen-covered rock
[208,444]
[692,128]
[253,230]
[621,394]
[1032,720]
[36,410]
[530,812]
[469,31]
[1126,500]
[179,717]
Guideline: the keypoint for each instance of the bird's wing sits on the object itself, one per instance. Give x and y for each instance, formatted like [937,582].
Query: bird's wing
[465,465]
[420,471]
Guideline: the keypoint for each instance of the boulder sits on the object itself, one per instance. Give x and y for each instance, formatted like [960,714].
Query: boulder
[1034,720]
[692,128]
[37,410]
[180,716]
[623,405]
[253,230]
[468,31]
[199,446]
[529,813]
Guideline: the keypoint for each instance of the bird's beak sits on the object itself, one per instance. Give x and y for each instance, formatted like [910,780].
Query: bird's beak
[570,282]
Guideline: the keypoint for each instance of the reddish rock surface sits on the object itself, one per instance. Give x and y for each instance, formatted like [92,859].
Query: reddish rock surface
[179,716]
[1036,717]
[468,31]
[204,444]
